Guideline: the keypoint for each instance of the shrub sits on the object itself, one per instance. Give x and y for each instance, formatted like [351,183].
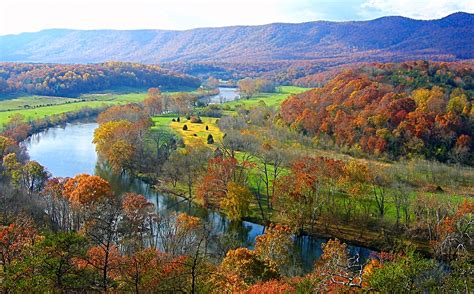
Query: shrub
[178,119]
[210,139]
[196,119]
[185,128]
[207,128]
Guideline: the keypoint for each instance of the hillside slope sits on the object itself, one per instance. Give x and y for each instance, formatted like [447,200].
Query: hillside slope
[400,110]
[383,39]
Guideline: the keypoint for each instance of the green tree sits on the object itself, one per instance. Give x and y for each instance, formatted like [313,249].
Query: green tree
[57,254]
[406,274]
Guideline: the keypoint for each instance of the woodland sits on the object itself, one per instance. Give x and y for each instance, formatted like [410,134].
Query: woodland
[379,155]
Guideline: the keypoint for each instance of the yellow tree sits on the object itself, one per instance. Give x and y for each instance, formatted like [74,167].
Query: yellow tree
[116,141]
[236,202]
[275,247]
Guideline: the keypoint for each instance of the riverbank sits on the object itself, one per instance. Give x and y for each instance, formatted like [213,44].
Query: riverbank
[380,239]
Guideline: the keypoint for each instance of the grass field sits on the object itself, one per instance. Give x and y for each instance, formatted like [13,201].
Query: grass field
[40,106]
[270,99]
[196,133]
[43,106]
[26,102]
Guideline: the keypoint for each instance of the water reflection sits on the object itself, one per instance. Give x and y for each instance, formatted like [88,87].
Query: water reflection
[65,153]
[225,95]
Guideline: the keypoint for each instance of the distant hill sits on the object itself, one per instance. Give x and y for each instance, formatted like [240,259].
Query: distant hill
[71,80]
[383,39]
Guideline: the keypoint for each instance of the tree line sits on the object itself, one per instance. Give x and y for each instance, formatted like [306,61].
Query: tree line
[75,79]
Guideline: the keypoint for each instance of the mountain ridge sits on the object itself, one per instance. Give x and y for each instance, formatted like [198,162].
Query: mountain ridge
[400,37]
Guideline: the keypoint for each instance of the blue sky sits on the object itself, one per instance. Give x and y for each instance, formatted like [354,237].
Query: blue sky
[32,15]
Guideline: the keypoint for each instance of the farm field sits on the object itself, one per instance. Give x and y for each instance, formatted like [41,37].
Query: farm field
[196,133]
[27,102]
[43,106]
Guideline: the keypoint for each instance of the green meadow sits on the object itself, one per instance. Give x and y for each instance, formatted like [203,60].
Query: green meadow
[270,99]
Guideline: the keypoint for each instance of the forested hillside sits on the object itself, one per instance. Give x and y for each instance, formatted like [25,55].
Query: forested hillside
[408,109]
[74,79]
[383,39]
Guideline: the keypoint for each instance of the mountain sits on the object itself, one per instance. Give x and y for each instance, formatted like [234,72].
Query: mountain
[382,39]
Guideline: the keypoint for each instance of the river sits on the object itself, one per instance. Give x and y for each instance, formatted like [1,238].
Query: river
[68,150]
[225,95]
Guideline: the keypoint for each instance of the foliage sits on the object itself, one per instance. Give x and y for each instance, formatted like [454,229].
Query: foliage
[236,202]
[406,273]
[85,189]
[405,109]
[74,79]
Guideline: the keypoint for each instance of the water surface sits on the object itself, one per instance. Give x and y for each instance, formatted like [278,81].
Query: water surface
[225,95]
[65,150]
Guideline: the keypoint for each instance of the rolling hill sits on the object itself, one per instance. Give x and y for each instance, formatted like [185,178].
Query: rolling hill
[382,39]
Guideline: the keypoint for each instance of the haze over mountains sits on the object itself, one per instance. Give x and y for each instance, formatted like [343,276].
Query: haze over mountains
[383,39]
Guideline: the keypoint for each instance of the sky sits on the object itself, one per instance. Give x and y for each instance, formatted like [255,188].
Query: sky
[18,16]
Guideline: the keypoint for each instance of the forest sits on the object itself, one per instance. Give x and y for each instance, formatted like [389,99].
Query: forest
[393,110]
[72,80]
[378,156]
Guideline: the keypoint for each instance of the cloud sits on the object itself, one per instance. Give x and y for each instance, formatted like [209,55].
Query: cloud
[419,9]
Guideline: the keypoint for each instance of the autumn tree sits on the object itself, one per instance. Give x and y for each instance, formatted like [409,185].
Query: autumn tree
[245,265]
[150,269]
[57,205]
[336,269]
[137,225]
[16,128]
[270,169]
[213,187]
[101,228]
[311,185]
[454,233]
[15,241]
[164,142]
[271,287]
[405,273]
[85,190]
[103,263]
[186,165]
[182,102]
[275,247]
[211,83]
[247,87]
[117,142]
[30,176]
[129,112]
[153,102]
[236,202]
[7,145]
